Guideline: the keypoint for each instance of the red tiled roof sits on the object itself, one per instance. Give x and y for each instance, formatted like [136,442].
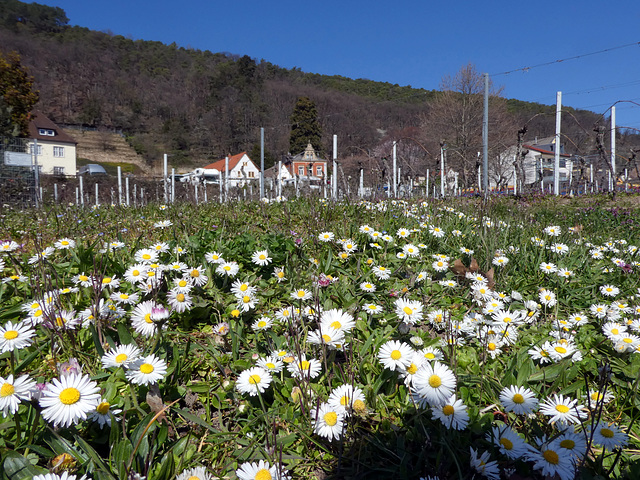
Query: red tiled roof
[233,161]
[38,121]
[541,150]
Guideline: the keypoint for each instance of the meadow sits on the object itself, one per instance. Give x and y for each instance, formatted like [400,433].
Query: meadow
[308,339]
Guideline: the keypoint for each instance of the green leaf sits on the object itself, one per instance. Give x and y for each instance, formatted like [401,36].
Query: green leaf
[17,467]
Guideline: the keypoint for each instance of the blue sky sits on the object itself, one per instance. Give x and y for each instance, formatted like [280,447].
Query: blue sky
[409,42]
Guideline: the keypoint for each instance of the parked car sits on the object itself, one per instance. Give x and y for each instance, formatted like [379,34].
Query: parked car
[92,169]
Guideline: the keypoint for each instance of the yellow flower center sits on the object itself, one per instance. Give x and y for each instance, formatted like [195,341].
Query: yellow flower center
[412,369]
[262,324]
[326,338]
[121,357]
[304,365]
[69,396]
[195,273]
[151,273]
[262,256]
[331,418]
[596,396]
[359,406]
[227,268]
[182,283]
[562,408]
[518,398]
[83,278]
[435,381]
[6,390]
[568,444]
[106,280]
[146,256]
[60,321]
[124,296]
[551,457]
[254,379]
[263,474]
[147,318]
[506,443]
[270,365]
[280,274]
[407,310]
[491,346]
[396,354]
[606,432]
[615,331]
[246,299]
[180,297]
[561,350]
[627,340]
[146,368]
[448,410]
[10,334]
[103,408]
[243,287]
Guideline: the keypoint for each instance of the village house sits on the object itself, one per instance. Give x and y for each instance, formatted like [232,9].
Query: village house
[537,165]
[308,164]
[56,152]
[241,169]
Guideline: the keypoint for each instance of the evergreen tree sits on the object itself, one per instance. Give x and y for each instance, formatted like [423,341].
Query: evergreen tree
[18,95]
[305,127]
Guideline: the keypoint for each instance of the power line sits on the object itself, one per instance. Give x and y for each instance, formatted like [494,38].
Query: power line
[526,69]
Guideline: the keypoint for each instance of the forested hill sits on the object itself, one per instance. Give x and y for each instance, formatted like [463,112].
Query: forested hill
[198,105]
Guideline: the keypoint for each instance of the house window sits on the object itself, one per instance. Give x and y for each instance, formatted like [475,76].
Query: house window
[318,170]
[251,174]
[58,170]
[301,170]
[58,152]
[39,149]
[46,132]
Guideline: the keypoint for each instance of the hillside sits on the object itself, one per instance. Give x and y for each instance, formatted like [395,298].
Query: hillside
[199,106]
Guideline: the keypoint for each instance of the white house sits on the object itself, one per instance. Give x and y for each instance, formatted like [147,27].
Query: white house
[537,165]
[56,152]
[241,169]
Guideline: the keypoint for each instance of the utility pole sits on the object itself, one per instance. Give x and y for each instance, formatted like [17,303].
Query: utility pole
[485,138]
[395,171]
[334,185]
[613,146]
[556,150]
[261,163]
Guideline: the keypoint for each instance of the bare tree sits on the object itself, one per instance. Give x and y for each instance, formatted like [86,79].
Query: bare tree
[455,118]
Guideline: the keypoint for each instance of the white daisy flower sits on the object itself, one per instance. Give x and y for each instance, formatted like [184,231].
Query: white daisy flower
[253,381]
[120,356]
[563,410]
[102,414]
[303,368]
[146,370]
[519,400]
[261,258]
[66,400]
[12,392]
[15,336]
[261,471]
[434,382]
[453,414]
[395,355]
[408,311]
[328,421]
[346,398]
